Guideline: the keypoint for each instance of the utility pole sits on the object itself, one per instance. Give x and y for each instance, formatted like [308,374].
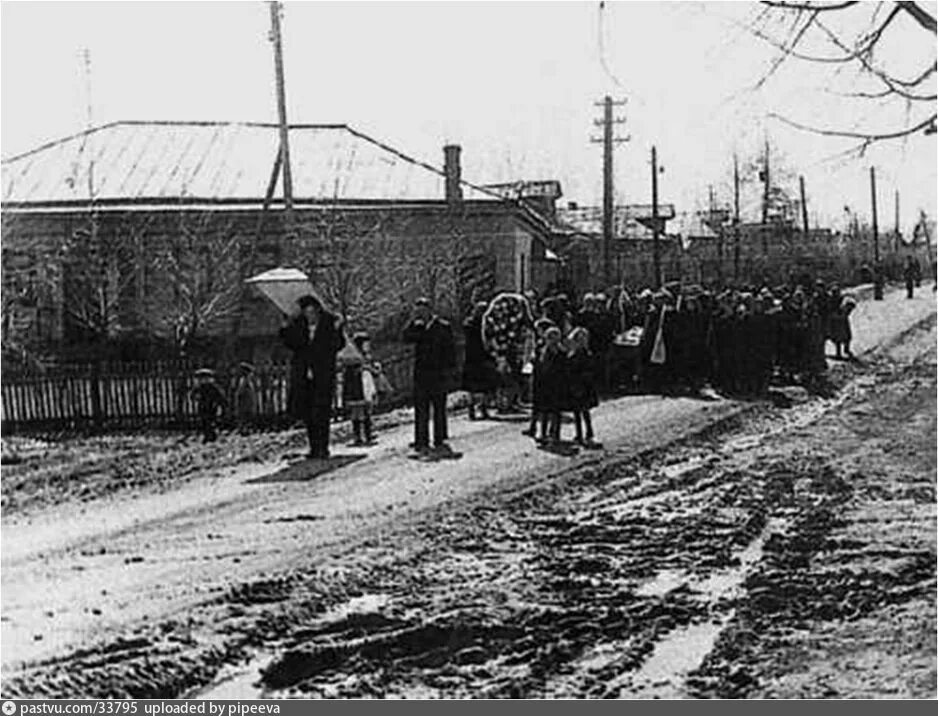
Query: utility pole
[765,189]
[898,233]
[804,206]
[655,222]
[735,218]
[608,141]
[277,39]
[711,211]
[764,229]
[89,119]
[877,270]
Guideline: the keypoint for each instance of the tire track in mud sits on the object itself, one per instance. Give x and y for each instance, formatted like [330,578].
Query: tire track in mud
[854,574]
[567,602]
[268,610]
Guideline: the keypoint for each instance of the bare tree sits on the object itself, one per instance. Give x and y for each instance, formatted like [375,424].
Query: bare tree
[351,262]
[370,266]
[826,35]
[96,271]
[15,340]
[198,269]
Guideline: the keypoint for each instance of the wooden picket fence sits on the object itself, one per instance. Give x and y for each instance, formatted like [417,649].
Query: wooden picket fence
[120,397]
[139,395]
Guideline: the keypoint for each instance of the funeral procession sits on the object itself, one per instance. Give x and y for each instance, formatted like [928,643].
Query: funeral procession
[468,350]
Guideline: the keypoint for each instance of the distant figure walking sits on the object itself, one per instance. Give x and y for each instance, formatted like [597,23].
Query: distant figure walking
[315,337]
[841,333]
[434,363]
[910,274]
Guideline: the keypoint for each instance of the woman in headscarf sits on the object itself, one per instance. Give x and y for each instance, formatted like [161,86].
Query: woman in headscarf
[840,332]
[479,376]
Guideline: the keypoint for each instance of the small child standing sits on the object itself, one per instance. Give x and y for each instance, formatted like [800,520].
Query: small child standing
[550,383]
[581,385]
[245,397]
[209,401]
[362,382]
[534,347]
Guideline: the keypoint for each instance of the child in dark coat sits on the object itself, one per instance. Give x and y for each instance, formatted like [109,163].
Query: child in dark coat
[209,400]
[549,385]
[245,397]
[582,395]
[536,346]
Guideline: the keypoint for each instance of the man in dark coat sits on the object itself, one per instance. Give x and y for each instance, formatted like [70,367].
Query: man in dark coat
[909,274]
[315,336]
[434,364]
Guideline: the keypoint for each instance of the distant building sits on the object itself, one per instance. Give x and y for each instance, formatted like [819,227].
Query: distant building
[631,251]
[776,252]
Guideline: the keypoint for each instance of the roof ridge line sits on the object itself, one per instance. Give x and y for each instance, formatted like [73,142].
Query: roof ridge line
[165,123]
[56,142]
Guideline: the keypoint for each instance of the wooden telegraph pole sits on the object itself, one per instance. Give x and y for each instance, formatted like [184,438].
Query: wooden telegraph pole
[608,141]
[655,221]
[766,185]
[898,237]
[766,176]
[277,39]
[877,269]
[735,218]
[804,206]
[712,207]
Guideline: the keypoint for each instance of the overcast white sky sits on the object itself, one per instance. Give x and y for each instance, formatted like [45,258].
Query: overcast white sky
[513,82]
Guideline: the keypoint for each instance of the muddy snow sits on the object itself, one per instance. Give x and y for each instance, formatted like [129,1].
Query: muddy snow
[710,550]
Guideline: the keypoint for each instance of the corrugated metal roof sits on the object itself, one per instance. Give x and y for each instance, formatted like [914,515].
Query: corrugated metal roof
[227,161]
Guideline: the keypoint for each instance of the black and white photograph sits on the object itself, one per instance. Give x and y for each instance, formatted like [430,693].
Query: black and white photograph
[463,349]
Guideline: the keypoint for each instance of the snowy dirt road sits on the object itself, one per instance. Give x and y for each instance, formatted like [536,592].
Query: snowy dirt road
[710,549]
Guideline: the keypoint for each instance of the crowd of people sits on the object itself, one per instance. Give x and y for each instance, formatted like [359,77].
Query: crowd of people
[552,355]
[679,339]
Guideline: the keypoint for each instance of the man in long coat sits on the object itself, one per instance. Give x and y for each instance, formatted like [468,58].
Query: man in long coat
[434,364]
[315,336]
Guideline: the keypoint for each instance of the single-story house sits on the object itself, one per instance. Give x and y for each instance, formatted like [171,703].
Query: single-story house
[134,232]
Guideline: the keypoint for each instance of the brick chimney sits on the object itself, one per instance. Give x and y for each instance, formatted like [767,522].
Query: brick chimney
[453,172]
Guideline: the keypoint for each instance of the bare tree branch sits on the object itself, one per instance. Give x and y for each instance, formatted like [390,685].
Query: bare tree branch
[928,72]
[808,5]
[920,15]
[886,79]
[787,50]
[866,138]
